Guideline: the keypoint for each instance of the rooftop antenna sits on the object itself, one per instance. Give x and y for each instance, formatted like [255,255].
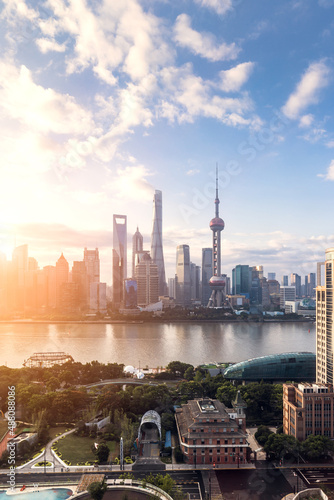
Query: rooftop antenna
[217,198]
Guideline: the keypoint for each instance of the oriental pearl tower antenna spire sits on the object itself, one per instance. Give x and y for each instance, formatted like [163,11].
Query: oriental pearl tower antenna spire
[217,282]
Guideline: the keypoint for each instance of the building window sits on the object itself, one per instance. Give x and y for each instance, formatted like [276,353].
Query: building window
[202,430]
[218,450]
[226,450]
[202,441]
[218,441]
[194,441]
[203,451]
[224,429]
[210,451]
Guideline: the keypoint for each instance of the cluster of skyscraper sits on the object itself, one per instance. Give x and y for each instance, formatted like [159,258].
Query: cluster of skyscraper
[24,288]
[148,281]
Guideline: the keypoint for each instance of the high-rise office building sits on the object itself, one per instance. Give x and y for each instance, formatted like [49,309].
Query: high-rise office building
[98,297]
[92,263]
[287,293]
[207,272]
[271,276]
[119,261]
[62,277]
[296,281]
[259,271]
[311,284]
[147,277]
[172,288]
[194,281]
[19,267]
[137,250]
[241,280]
[325,322]
[217,282]
[285,280]
[80,277]
[157,254]
[183,275]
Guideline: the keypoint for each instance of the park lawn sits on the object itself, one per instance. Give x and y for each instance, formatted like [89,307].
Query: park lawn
[76,449]
[53,431]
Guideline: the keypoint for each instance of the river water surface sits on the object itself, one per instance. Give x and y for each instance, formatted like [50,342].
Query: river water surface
[154,344]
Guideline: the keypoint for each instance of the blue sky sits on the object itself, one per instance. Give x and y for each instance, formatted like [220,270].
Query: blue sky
[103,102]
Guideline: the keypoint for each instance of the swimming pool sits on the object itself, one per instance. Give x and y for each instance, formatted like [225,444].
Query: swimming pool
[49,494]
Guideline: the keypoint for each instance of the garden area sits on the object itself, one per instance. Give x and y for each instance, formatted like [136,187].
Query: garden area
[79,450]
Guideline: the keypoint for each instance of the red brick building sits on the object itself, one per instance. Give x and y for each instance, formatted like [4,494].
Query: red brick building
[308,409]
[210,433]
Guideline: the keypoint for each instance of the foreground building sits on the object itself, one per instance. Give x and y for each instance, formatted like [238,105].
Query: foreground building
[210,433]
[275,367]
[324,322]
[308,409]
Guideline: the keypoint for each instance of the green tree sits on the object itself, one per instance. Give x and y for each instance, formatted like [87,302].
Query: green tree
[226,393]
[280,446]
[102,453]
[97,490]
[262,434]
[178,368]
[189,373]
[316,447]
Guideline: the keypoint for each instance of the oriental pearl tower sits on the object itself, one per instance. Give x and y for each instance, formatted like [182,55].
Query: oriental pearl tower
[217,282]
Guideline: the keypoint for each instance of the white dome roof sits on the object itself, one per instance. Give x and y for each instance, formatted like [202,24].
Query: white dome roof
[129,369]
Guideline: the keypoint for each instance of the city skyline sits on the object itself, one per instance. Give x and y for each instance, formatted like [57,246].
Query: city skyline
[164,93]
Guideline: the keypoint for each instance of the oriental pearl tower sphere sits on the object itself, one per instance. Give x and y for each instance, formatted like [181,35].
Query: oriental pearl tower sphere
[217,282]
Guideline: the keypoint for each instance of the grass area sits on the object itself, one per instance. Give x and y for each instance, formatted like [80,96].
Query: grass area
[54,431]
[77,450]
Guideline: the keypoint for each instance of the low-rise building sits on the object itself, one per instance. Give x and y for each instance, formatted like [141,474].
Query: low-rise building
[308,409]
[210,433]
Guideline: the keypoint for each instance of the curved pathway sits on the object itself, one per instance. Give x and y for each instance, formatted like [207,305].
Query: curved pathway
[47,456]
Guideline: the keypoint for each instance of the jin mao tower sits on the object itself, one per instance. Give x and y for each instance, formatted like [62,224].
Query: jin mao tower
[217,282]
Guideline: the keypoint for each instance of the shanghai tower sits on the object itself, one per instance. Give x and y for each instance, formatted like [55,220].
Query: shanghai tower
[157,254]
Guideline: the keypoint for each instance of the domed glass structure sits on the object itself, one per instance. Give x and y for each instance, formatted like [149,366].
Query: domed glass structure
[296,366]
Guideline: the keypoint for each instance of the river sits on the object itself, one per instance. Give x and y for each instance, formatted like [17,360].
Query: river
[154,344]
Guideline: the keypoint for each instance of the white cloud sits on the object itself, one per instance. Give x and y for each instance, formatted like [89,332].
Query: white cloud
[41,109]
[329,176]
[314,135]
[233,79]
[130,183]
[202,44]
[315,78]
[306,121]
[330,144]
[219,6]
[192,171]
[190,97]
[47,45]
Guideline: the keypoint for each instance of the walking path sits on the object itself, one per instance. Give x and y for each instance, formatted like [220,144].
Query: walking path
[47,456]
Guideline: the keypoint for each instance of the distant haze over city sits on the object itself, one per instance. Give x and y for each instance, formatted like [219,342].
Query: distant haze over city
[103,104]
